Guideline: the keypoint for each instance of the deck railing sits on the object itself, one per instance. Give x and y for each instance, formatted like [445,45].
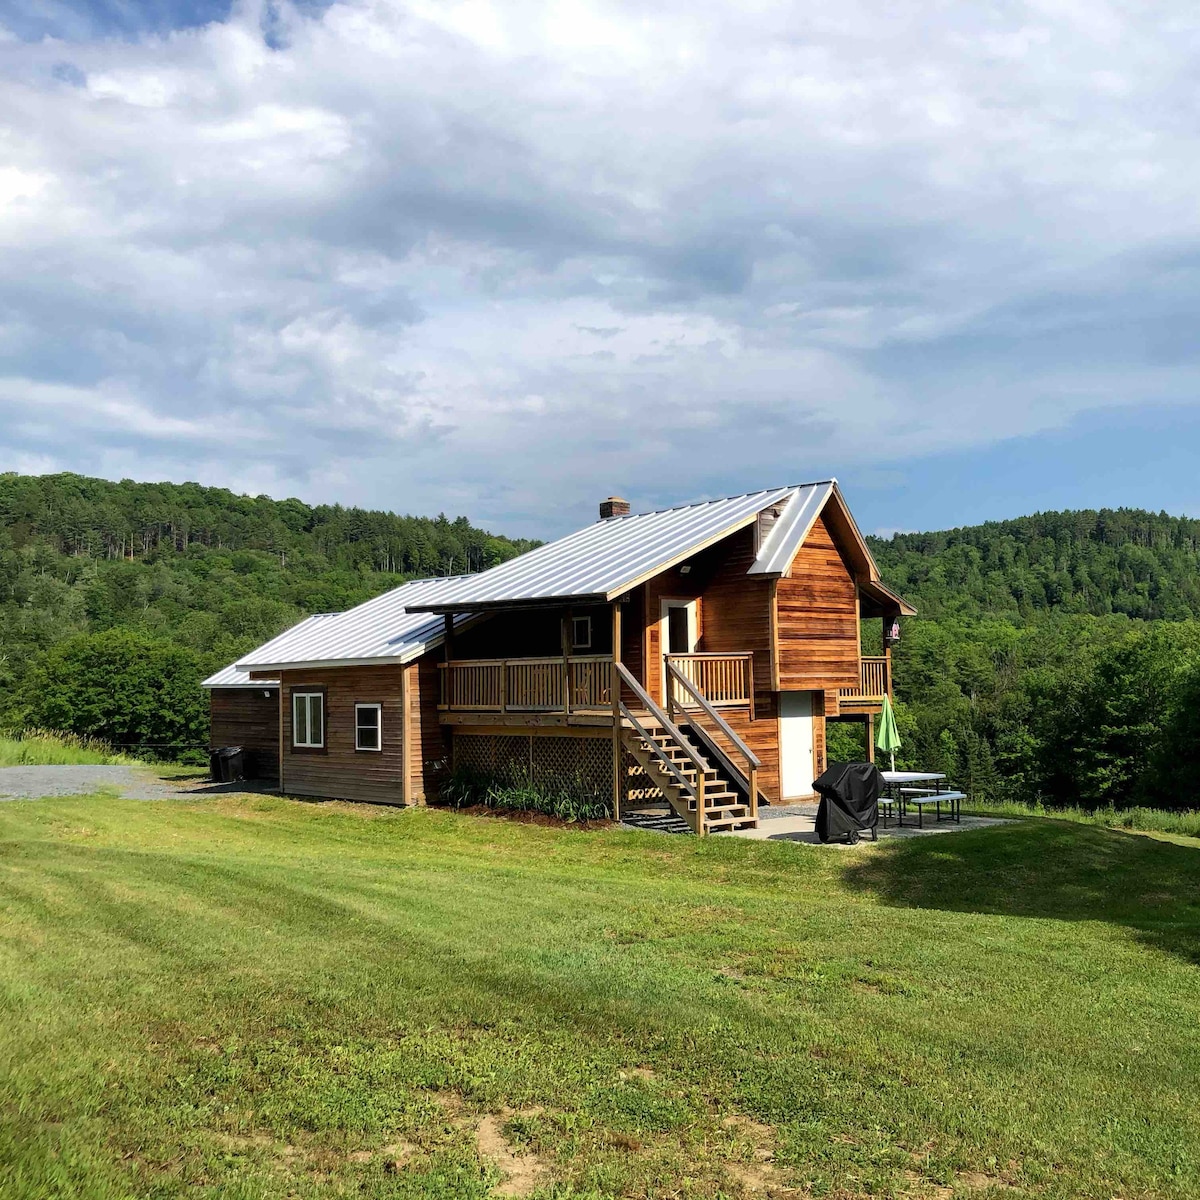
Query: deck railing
[873,681]
[723,679]
[501,685]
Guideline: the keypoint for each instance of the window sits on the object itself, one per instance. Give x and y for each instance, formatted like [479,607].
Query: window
[679,639]
[581,633]
[368,727]
[308,720]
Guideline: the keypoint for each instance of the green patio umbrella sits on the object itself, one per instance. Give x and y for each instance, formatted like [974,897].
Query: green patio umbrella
[888,739]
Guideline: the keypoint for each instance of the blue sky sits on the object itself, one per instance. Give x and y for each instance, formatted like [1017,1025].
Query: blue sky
[505,259]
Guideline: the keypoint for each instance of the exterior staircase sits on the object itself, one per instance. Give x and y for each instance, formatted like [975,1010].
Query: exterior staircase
[692,785]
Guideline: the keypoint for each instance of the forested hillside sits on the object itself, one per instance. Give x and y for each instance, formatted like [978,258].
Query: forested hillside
[1056,658]
[190,576]
[1112,561]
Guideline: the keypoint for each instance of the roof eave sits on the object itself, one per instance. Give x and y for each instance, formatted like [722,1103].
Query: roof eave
[482,606]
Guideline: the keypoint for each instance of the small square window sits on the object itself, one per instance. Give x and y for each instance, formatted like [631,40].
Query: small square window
[368,727]
[581,633]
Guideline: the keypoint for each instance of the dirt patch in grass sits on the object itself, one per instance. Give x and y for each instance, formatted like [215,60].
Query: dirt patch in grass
[755,1172]
[522,1172]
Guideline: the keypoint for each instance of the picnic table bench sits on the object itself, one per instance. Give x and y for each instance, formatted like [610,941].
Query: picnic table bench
[901,797]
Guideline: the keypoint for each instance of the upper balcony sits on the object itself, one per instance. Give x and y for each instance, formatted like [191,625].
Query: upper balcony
[520,690]
[577,689]
[875,682]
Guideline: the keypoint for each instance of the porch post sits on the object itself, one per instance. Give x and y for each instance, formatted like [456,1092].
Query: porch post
[617,782]
[870,737]
[565,642]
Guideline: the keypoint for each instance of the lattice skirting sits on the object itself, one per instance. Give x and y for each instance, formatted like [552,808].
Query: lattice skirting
[582,766]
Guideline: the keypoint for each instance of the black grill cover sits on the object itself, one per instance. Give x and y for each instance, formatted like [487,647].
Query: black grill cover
[849,801]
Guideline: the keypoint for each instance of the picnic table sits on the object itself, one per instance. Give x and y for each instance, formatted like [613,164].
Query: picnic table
[904,790]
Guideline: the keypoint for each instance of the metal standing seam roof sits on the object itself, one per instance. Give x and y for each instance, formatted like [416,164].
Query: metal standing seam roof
[380,629]
[606,559]
[791,528]
[600,562]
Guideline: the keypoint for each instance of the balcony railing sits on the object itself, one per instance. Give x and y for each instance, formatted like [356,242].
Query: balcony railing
[501,685]
[722,679]
[873,681]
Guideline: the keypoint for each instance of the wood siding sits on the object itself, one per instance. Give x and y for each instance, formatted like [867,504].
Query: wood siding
[247,717]
[817,618]
[340,772]
[737,617]
[429,739]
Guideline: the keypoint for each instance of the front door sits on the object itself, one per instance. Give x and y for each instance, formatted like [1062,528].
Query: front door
[796,744]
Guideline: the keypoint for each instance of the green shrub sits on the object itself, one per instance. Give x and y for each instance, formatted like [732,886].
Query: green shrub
[125,689]
[576,801]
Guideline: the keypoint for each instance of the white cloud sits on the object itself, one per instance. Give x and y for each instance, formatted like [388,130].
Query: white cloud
[506,257]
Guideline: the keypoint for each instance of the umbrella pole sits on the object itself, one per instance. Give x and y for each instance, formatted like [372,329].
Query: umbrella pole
[893,757]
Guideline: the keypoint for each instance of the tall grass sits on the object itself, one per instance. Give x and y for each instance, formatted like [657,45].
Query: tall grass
[521,793]
[1149,820]
[47,748]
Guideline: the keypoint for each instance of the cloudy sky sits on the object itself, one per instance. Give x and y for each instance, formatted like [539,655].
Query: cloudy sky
[506,258]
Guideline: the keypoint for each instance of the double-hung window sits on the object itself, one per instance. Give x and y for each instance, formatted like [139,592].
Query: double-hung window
[308,720]
[368,727]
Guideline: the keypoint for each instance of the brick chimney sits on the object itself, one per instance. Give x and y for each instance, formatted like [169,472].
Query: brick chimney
[614,506]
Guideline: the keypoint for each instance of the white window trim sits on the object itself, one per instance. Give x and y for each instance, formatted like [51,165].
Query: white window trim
[378,708]
[306,697]
[576,642]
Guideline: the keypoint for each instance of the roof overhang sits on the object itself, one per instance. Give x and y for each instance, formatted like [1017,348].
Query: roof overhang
[256,685]
[317,664]
[493,606]
[885,598]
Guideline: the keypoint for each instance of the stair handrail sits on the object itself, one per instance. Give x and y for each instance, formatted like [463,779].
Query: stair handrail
[658,752]
[749,780]
[657,712]
[679,677]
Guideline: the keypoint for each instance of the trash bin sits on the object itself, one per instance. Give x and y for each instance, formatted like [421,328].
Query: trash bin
[228,764]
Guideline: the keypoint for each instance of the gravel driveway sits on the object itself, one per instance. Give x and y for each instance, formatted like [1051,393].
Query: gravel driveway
[133,783]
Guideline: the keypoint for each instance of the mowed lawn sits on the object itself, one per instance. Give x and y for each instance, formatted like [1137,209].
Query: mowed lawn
[258,997]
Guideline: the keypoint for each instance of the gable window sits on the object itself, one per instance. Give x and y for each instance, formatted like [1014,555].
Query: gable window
[308,720]
[368,727]
[581,633]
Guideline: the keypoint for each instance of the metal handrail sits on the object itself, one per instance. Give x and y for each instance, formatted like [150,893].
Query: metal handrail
[704,703]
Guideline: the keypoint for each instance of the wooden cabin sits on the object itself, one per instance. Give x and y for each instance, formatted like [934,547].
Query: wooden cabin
[245,712]
[693,654]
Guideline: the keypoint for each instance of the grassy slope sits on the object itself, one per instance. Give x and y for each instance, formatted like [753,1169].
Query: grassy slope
[253,997]
[56,750]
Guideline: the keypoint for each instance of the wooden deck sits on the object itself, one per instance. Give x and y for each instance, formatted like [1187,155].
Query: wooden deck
[875,682]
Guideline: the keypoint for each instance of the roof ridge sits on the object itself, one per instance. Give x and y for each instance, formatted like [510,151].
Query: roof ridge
[783,487]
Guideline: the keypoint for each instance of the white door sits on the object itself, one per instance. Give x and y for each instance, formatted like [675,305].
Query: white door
[796,744]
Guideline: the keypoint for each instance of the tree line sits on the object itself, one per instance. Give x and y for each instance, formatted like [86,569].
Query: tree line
[184,578]
[1056,658]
